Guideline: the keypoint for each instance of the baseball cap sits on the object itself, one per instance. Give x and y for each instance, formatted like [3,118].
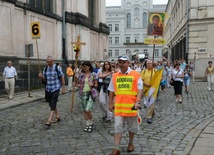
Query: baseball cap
[124,57]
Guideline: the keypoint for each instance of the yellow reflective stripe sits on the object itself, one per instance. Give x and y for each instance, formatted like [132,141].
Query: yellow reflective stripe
[124,105]
[125,93]
[125,111]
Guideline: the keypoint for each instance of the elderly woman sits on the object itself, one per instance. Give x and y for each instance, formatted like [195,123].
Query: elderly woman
[177,75]
[86,83]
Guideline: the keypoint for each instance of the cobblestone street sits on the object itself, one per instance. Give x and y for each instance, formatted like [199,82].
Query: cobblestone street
[174,130]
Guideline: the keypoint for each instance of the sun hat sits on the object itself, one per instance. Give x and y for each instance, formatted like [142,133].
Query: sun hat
[124,57]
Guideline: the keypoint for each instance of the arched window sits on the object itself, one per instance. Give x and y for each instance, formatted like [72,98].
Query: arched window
[145,20]
[136,12]
[128,20]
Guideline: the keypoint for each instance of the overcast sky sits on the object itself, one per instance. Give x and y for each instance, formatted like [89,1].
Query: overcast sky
[118,2]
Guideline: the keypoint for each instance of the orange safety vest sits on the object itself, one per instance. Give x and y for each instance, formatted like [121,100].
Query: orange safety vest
[69,71]
[126,88]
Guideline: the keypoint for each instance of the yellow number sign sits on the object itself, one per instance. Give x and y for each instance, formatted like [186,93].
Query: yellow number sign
[35,30]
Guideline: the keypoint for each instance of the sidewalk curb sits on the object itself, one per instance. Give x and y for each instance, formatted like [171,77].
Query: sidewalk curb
[192,142]
[19,104]
[22,101]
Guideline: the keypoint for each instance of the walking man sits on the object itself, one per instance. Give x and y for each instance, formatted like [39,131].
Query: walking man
[9,77]
[54,77]
[70,73]
[126,87]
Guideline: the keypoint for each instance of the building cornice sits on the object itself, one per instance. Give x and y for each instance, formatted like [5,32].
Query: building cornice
[80,19]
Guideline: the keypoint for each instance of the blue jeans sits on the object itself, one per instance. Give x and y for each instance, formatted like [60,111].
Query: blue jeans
[186,81]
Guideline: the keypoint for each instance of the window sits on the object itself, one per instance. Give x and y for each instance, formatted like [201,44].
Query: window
[145,20]
[128,51]
[110,40]
[127,39]
[136,39]
[47,5]
[116,27]
[116,53]
[91,12]
[110,27]
[136,12]
[146,53]
[110,53]
[156,53]
[128,20]
[116,40]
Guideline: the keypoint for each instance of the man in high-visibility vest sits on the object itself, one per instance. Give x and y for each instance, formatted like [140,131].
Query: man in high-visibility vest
[70,73]
[126,86]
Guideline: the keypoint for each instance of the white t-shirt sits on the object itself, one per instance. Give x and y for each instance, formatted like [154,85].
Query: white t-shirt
[138,69]
[177,73]
[99,72]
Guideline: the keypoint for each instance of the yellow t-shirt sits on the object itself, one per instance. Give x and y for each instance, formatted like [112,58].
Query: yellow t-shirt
[86,86]
[210,70]
[146,77]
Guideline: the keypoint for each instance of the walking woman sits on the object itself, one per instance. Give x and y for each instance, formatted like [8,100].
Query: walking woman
[105,75]
[177,75]
[87,83]
[209,73]
[187,77]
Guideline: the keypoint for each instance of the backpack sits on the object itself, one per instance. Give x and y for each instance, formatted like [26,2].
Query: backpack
[56,69]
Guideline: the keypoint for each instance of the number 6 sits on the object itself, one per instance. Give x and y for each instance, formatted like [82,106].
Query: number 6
[35,29]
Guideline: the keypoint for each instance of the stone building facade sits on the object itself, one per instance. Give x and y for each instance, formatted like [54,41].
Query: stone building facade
[128,28]
[189,32]
[60,24]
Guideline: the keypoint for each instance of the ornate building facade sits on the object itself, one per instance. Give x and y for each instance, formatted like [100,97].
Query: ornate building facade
[189,32]
[128,28]
[60,24]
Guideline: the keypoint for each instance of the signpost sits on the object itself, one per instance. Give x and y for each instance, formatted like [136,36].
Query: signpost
[29,53]
[35,33]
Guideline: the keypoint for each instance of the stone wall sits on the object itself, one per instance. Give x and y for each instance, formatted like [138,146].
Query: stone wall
[21,66]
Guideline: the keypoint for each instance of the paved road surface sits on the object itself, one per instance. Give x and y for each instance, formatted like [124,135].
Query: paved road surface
[175,128]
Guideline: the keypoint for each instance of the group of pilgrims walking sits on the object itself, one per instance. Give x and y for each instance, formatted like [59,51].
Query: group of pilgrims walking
[121,89]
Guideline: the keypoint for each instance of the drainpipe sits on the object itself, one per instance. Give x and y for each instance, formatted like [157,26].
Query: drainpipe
[64,55]
[187,30]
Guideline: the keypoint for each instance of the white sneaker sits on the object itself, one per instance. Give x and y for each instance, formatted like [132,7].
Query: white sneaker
[180,101]
[176,100]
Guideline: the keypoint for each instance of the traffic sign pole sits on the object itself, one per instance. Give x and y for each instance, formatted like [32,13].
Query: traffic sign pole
[38,55]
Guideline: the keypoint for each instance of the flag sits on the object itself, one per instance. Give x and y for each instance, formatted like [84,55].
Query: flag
[153,90]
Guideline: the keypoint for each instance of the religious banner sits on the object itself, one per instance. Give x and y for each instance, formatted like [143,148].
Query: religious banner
[155,24]
[159,41]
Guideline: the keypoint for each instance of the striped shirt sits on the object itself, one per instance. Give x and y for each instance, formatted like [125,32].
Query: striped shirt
[53,82]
